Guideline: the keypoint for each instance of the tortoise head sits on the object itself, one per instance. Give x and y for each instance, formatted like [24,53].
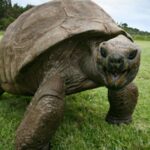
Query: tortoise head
[117,61]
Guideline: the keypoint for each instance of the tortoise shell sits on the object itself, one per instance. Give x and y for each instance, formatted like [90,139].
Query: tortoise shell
[44,26]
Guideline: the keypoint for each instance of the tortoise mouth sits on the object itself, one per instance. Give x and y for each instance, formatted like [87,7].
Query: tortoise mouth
[116,79]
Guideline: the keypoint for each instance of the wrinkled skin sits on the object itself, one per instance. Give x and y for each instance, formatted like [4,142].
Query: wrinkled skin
[60,48]
[117,62]
[113,63]
[116,65]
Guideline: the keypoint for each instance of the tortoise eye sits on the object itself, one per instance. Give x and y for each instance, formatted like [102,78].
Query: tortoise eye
[132,54]
[103,52]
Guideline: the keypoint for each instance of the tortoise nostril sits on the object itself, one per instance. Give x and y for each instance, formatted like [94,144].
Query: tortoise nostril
[116,59]
[115,63]
[120,60]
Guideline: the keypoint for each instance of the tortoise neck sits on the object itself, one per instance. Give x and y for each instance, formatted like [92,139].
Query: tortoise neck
[89,67]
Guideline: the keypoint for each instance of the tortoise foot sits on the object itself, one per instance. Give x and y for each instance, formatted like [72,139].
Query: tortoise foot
[43,116]
[118,121]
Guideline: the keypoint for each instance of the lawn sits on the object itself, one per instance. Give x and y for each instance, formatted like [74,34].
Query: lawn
[84,127]
[0,36]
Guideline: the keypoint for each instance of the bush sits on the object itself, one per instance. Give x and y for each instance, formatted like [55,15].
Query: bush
[4,22]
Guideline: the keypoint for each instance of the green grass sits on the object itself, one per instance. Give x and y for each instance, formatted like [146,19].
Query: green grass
[141,38]
[83,127]
[1,34]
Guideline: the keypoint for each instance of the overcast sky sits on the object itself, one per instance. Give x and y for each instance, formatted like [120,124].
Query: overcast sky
[136,13]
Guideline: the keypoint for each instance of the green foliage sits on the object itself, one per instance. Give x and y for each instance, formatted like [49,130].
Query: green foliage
[2,8]
[1,33]
[140,37]
[9,13]
[83,127]
[4,22]
[136,33]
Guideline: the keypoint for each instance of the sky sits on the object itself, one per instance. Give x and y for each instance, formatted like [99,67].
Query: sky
[136,13]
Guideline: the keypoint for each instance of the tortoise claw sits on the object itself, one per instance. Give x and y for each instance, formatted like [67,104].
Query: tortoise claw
[118,121]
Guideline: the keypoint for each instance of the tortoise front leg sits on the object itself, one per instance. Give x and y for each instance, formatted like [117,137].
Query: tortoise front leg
[42,117]
[122,104]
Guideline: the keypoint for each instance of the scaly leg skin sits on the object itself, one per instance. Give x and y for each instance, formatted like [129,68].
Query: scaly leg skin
[43,116]
[122,104]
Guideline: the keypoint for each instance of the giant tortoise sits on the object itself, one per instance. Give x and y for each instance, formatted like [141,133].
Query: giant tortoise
[64,47]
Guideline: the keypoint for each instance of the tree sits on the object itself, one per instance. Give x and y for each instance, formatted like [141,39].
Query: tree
[2,8]
[16,10]
[28,7]
[124,25]
[5,6]
[9,3]
[9,13]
